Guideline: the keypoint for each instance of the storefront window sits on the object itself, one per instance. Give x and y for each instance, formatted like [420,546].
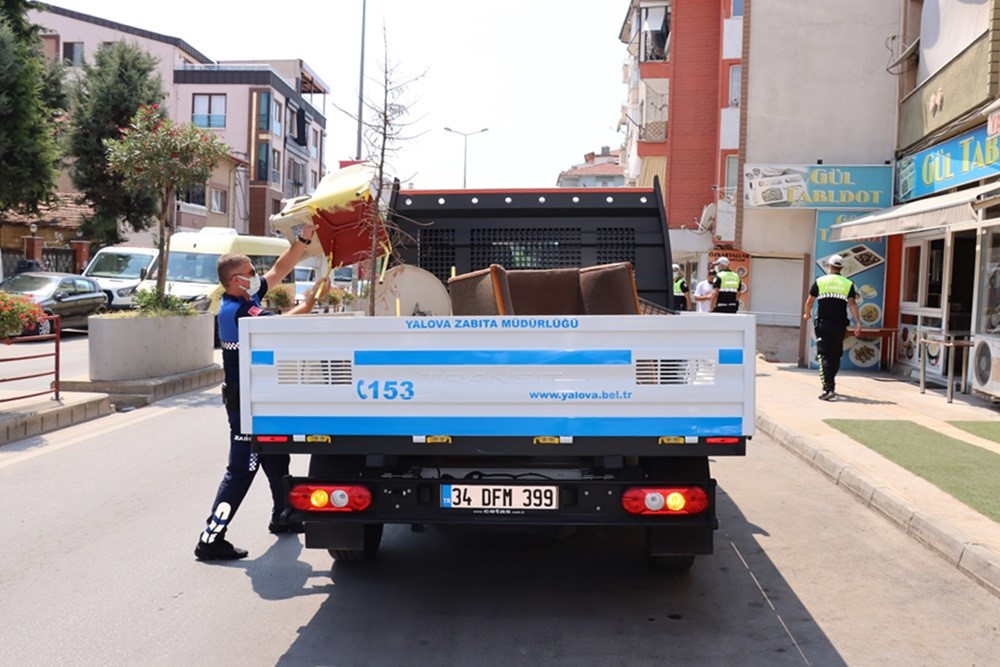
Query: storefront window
[911,273]
[935,269]
[989,284]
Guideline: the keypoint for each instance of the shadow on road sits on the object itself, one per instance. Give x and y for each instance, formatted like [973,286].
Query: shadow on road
[587,598]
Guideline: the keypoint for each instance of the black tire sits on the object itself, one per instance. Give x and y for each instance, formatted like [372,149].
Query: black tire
[674,564]
[372,542]
[44,327]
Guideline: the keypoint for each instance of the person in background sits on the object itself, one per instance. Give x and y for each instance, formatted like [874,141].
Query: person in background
[703,293]
[834,294]
[726,288]
[681,289]
[244,290]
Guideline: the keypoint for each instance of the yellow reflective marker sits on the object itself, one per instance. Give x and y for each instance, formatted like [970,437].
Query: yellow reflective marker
[671,440]
[318,438]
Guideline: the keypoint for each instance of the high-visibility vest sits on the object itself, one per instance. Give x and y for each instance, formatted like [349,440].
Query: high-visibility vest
[678,290]
[728,281]
[834,286]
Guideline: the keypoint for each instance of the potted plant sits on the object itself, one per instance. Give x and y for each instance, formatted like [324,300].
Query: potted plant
[17,314]
[278,299]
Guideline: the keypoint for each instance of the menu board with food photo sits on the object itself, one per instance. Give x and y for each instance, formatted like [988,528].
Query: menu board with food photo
[864,264]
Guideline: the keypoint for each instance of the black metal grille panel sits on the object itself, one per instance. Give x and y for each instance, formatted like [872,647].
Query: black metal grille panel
[674,371]
[615,244]
[526,248]
[436,252]
[315,371]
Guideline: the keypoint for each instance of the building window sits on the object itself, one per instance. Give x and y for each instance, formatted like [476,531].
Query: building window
[290,122]
[655,35]
[209,111]
[313,179]
[193,195]
[314,144]
[73,54]
[911,273]
[735,80]
[989,286]
[263,153]
[737,8]
[219,201]
[732,176]
[263,111]
[276,118]
[276,166]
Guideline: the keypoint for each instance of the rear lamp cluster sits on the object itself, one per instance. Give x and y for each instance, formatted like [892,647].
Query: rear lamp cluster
[665,500]
[329,498]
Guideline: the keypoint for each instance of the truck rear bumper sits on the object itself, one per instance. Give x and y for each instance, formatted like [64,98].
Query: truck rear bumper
[580,503]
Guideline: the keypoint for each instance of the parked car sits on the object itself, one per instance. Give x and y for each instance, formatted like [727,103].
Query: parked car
[74,298]
[306,275]
[119,270]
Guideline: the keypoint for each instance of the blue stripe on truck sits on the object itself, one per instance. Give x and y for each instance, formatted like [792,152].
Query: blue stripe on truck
[731,356]
[262,357]
[499,426]
[492,357]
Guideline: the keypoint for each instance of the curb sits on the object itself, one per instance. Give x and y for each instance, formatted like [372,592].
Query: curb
[137,393]
[976,561]
[19,424]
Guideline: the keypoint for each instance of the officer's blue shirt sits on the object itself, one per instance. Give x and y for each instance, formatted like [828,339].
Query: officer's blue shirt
[231,309]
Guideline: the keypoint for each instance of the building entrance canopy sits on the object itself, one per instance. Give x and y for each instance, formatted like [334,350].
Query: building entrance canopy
[931,213]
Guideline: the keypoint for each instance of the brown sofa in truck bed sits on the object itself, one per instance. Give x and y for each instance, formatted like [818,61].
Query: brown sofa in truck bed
[607,289]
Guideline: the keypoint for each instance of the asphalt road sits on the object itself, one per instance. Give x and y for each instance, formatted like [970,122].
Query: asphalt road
[96,568]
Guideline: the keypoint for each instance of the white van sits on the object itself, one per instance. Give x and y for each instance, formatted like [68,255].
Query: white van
[119,270]
[193,257]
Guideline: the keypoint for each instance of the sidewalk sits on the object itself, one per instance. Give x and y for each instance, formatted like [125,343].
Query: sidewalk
[789,411]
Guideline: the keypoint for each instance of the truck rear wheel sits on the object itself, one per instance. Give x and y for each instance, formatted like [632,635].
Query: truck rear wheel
[372,542]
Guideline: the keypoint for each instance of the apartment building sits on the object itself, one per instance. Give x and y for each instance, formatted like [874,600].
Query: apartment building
[681,116]
[268,111]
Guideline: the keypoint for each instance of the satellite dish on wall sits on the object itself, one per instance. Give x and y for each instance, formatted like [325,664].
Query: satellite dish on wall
[707,217]
[418,293]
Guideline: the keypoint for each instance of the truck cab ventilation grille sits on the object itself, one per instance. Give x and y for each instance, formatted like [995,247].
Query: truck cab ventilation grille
[315,371]
[674,371]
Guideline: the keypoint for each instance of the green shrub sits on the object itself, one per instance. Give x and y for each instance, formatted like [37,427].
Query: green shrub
[147,305]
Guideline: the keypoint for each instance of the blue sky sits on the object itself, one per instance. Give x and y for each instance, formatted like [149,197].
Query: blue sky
[545,77]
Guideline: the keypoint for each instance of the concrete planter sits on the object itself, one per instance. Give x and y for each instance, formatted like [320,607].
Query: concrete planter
[137,348]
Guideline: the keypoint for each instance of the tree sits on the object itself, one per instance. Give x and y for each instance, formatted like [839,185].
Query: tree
[106,97]
[384,131]
[29,154]
[156,153]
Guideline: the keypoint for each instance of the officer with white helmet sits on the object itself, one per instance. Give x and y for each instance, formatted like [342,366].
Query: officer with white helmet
[834,294]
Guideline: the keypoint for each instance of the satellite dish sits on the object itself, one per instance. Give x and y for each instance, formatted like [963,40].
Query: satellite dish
[707,217]
[416,291]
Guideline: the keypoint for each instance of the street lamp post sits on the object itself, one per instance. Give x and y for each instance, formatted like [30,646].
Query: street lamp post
[465,149]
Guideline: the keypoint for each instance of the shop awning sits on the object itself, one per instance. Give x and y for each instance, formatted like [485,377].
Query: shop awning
[650,168]
[930,213]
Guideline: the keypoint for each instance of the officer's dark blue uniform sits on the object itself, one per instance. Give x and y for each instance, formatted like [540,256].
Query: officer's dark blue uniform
[243,463]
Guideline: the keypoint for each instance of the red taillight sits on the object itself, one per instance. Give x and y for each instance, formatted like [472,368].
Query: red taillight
[722,441]
[665,500]
[329,498]
[272,438]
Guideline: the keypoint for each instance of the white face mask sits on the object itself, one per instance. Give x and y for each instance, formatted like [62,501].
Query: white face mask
[252,284]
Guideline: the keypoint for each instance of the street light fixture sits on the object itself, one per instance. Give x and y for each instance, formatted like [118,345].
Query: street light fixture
[465,149]
[33,228]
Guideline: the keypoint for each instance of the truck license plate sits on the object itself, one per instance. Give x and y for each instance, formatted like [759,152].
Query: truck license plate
[469,496]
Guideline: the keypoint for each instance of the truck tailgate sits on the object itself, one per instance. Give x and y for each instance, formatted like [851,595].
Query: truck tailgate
[674,379]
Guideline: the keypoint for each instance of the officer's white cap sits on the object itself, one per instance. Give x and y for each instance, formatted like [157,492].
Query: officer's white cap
[677,267]
[722,261]
[835,260]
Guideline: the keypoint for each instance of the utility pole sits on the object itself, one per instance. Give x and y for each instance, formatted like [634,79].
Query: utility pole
[465,149]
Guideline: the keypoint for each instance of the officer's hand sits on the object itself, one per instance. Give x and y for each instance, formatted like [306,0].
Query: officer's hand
[806,316]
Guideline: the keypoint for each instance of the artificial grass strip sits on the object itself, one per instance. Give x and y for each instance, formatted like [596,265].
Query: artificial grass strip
[967,472]
[986,430]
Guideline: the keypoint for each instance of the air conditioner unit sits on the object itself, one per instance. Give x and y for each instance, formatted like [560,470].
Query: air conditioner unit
[984,365]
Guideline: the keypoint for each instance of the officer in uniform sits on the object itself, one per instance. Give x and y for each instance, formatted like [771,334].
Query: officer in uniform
[725,298]
[681,289]
[242,298]
[834,294]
